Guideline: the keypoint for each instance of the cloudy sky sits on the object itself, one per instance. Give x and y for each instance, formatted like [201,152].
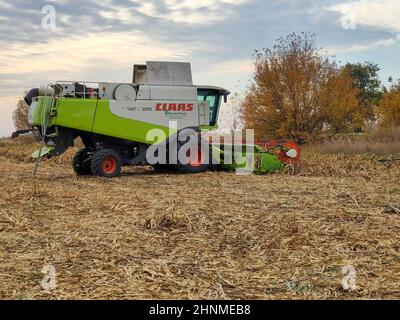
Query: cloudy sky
[101,40]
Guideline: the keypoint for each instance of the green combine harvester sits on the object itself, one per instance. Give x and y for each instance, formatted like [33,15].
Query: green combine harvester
[142,123]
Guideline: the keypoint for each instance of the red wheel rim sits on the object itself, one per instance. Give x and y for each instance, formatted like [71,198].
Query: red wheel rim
[109,165]
[197,159]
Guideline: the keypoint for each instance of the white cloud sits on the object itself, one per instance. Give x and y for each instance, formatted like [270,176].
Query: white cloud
[72,55]
[360,46]
[5,5]
[194,12]
[237,66]
[122,15]
[373,13]
[199,12]
[148,8]
[379,15]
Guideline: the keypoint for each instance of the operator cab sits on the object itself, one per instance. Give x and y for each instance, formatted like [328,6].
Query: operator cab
[215,96]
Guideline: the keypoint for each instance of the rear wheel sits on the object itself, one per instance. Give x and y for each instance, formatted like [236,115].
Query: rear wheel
[81,163]
[106,163]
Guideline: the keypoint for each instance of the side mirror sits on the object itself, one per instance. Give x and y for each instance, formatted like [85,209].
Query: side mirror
[225,98]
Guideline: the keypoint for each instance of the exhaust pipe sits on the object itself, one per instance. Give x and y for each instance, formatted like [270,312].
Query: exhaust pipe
[33,93]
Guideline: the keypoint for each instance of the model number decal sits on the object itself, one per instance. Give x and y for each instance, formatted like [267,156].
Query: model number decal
[136,109]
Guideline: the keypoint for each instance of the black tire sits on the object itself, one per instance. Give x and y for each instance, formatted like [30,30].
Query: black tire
[202,166]
[81,163]
[106,163]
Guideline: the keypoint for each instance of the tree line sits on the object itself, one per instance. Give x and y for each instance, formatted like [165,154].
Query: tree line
[300,93]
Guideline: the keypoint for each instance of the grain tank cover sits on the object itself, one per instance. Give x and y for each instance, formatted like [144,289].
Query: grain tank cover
[156,73]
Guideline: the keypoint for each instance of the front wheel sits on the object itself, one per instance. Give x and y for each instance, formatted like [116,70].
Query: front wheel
[198,159]
[106,163]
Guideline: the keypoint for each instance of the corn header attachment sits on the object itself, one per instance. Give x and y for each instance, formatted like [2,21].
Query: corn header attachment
[260,158]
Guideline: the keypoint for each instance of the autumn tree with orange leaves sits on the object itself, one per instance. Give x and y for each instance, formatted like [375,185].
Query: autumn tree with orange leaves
[298,93]
[389,107]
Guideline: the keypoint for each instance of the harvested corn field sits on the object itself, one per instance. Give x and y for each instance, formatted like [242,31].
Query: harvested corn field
[215,235]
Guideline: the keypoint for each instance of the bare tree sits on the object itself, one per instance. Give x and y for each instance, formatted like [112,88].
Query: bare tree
[236,111]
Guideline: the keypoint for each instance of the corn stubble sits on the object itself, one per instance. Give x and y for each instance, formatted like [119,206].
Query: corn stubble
[209,236]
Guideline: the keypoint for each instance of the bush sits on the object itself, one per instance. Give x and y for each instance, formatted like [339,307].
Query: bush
[383,142]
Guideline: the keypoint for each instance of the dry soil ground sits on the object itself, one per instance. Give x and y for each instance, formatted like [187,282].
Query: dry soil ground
[214,235]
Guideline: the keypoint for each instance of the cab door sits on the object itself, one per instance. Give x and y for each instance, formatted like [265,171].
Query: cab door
[214,98]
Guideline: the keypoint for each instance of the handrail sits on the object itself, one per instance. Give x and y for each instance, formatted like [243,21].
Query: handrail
[86,85]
